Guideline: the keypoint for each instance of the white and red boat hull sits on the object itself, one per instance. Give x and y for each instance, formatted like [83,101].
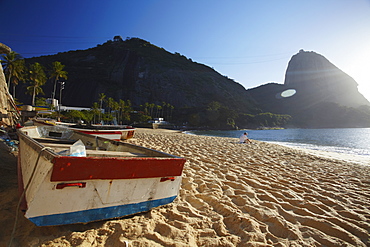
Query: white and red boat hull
[66,190]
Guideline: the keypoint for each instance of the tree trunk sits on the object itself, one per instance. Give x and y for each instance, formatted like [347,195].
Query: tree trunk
[53,93]
[14,91]
[33,96]
[9,75]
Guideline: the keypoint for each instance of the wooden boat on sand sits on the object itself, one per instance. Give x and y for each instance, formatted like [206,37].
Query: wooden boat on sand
[113,132]
[68,177]
[43,122]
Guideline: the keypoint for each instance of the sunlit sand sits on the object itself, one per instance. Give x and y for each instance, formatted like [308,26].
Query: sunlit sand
[234,194]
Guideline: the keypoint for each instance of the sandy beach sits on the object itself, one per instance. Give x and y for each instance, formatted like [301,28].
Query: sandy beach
[232,194]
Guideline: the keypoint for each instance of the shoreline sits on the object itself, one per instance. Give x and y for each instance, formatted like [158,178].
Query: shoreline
[357,158]
[231,195]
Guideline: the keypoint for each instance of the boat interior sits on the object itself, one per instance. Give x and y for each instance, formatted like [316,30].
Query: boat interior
[61,139]
[62,147]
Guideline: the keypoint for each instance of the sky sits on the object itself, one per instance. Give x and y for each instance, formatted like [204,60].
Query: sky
[249,41]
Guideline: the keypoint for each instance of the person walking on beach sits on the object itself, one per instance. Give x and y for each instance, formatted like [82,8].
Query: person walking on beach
[244,138]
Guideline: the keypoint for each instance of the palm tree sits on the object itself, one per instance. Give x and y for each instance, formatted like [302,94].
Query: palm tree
[171,107]
[158,112]
[115,108]
[110,103]
[151,107]
[56,73]
[17,74]
[146,109]
[127,110]
[95,110]
[37,78]
[101,99]
[121,108]
[8,61]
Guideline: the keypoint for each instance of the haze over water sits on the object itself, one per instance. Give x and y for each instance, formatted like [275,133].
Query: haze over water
[353,141]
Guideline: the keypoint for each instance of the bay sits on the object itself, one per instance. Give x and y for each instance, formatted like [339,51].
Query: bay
[352,141]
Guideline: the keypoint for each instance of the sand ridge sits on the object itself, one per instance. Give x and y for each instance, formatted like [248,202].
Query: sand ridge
[234,194]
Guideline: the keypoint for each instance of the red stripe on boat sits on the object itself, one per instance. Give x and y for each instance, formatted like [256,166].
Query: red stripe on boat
[82,168]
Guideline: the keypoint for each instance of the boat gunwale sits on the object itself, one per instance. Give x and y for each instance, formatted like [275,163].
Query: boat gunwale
[67,168]
[49,154]
[36,143]
[102,127]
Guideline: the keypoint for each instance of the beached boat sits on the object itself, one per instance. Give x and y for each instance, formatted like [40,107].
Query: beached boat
[42,122]
[111,179]
[113,132]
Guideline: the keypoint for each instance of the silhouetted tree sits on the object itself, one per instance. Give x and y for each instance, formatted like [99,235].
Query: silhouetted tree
[37,78]
[56,73]
[102,97]
[8,61]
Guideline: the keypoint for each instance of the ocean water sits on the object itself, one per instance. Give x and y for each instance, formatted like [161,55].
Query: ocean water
[353,141]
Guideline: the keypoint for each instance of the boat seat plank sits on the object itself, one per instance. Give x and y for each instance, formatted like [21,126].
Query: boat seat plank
[57,145]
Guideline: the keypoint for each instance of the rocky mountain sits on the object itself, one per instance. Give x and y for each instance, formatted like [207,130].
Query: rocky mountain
[316,93]
[312,74]
[138,71]
[320,95]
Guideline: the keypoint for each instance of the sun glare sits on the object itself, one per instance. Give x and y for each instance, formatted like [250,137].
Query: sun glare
[362,76]
[359,69]
[288,93]
[364,89]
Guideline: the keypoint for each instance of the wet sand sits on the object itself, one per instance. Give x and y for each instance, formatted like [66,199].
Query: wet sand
[232,194]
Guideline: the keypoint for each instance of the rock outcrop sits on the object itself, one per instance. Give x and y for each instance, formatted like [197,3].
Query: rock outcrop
[316,94]
[138,71]
[312,75]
